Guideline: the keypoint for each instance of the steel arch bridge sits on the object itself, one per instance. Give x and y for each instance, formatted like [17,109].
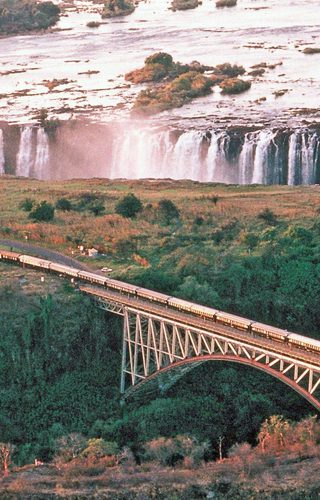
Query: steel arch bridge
[160,345]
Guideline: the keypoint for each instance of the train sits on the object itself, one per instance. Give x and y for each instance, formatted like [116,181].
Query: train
[249,326]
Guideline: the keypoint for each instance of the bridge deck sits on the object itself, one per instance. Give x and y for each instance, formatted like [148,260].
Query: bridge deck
[191,320]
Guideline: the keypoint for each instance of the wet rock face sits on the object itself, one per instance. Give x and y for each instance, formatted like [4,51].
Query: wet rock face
[241,156]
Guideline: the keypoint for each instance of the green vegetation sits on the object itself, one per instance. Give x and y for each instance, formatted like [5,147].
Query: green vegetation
[234,86]
[115,8]
[19,16]
[176,84]
[184,4]
[249,250]
[226,3]
[64,204]
[44,211]
[128,206]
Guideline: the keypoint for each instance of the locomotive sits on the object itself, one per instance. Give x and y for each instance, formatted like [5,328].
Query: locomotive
[207,313]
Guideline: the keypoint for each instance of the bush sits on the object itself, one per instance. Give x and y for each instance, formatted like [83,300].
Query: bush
[234,86]
[226,3]
[128,206]
[42,212]
[268,217]
[168,211]
[184,4]
[27,204]
[64,204]
[17,16]
[230,70]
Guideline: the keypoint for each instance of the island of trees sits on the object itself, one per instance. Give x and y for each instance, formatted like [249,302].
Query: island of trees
[173,84]
[19,16]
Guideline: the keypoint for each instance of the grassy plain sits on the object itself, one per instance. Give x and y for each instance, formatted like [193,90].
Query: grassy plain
[204,210]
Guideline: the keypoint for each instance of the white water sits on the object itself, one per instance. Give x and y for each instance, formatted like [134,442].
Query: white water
[254,31]
[292,158]
[260,166]
[260,157]
[40,169]
[25,154]
[1,153]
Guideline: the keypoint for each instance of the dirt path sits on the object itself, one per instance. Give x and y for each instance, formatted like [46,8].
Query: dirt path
[44,253]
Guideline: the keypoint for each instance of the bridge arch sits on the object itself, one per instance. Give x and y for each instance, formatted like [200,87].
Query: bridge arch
[167,376]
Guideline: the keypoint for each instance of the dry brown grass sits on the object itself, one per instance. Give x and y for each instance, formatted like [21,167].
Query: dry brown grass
[290,204]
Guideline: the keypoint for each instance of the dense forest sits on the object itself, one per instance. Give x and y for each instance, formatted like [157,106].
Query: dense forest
[61,355]
[18,16]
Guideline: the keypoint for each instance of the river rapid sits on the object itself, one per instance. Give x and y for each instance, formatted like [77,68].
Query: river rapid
[253,32]
[269,134]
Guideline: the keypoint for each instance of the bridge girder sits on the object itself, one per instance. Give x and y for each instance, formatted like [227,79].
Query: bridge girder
[157,352]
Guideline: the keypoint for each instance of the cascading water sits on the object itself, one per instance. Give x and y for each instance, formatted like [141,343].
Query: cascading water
[246,158]
[293,158]
[263,156]
[40,169]
[186,162]
[25,153]
[1,153]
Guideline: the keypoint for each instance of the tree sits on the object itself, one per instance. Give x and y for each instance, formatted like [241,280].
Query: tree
[128,206]
[44,211]
[268,217]
[27,204]
[168,211]
[6,450]
[97,208]
[64,204]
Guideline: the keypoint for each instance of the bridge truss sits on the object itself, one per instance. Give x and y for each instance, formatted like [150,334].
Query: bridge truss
[158,350]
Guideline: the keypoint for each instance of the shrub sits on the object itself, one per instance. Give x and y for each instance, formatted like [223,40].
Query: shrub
[162,58]
[97,208]
[93,24]
[128,206]
[234,86]
[64,204]
[184,4]
[168,211]
[27,204]
[69,447]
[42,212]
[226,3]
[171,451]
[114,8]
[99,448]
[268,217]
[17,16]
[230,70]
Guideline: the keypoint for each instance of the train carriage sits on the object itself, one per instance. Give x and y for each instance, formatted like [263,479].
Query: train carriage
[92,277]
[7,255]
[120,286]
[305,342]
[28,260]
[204,311]
[153,296]
[268,331]
[61,269]
[233,321]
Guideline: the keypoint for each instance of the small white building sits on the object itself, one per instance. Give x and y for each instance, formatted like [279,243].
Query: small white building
[92,252]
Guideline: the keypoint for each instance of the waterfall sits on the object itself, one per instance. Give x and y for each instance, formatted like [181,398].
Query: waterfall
[132,151]
[40,168]
[292,158]
[25,153]
[246,158]
[308,158]
[186,157]
[1,153]
[262,156]
[139,154]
